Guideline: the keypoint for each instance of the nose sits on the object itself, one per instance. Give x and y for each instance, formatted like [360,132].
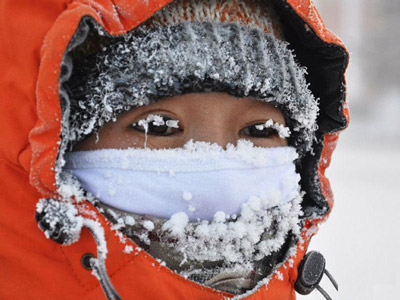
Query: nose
[211,128]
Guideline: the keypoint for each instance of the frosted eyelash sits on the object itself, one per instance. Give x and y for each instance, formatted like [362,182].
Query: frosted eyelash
[283,131]
[157,120]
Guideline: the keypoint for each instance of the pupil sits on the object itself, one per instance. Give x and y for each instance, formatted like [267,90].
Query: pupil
[158,129]
[260,133]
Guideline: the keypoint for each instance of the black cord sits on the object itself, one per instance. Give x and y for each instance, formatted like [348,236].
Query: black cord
[331,279]
[322,291]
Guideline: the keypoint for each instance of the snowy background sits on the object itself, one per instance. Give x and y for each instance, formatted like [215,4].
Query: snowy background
[361,239]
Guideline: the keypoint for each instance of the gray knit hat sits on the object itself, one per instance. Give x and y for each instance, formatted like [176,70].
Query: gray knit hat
[175,53]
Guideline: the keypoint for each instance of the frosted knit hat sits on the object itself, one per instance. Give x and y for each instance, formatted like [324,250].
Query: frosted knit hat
[226,46]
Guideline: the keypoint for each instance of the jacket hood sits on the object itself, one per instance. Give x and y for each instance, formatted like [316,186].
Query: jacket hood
[35,66]
[316,48]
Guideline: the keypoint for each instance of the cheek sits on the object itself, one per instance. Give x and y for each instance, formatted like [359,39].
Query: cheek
[138,139]
[108,137]
[163,142]
[272,142]
[122,138]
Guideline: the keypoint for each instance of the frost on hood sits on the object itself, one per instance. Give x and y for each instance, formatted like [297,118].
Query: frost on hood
[60,219]
[61,222]
[150,63]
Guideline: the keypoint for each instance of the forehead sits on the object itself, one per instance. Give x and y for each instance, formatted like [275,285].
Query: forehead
[205,105]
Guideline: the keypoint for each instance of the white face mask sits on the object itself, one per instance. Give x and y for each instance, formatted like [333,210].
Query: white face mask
[200,179]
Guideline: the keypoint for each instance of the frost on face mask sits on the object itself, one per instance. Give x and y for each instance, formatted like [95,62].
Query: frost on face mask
[198,179]
[61,222]
[253,235]
[229,242]
[242,248]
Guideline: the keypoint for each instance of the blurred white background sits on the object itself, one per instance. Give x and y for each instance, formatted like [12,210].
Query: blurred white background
[361,239]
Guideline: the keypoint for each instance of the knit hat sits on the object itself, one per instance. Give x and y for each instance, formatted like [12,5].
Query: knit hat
[227,46]
[253,13]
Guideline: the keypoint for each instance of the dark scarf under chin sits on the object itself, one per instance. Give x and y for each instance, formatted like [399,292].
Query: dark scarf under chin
[233,277]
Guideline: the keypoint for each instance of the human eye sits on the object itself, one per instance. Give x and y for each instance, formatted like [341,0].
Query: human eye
[161,125]
[258,131]
[266,129]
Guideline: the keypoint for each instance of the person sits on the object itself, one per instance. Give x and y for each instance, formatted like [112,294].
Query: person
[176,151]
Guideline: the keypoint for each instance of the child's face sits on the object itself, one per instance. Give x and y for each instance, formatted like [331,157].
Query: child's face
[211,117]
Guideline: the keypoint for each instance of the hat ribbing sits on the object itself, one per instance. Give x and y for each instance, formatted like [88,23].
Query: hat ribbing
[252,13]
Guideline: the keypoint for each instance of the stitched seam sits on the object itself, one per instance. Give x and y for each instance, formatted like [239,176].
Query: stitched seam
[73,271]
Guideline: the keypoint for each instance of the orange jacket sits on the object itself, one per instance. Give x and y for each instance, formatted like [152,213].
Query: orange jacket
[33,38]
